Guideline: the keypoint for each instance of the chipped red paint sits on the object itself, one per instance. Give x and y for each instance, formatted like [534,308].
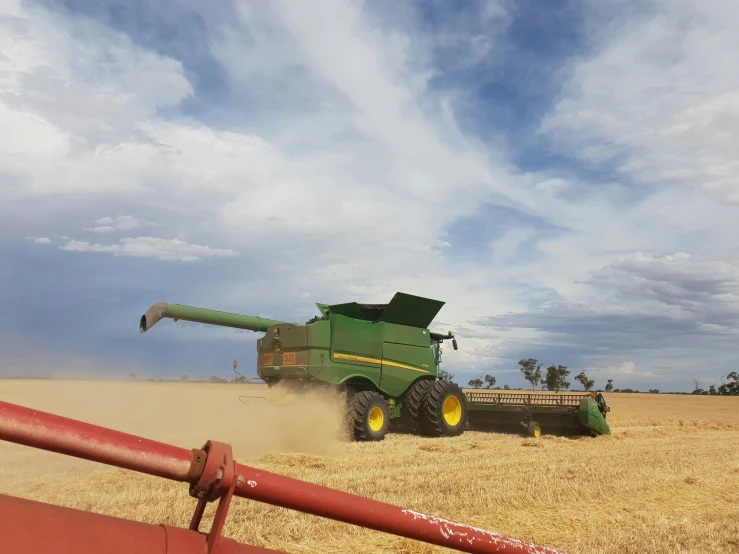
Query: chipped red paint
[83,440]
[219,477]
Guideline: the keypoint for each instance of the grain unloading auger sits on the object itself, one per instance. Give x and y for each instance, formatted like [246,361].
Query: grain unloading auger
[387,360]
[28,526]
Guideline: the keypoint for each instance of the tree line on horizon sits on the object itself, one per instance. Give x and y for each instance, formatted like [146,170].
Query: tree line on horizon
[555,379]
[729,386]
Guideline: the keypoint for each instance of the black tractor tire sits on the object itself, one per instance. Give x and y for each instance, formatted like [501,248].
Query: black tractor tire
[534,430]
[443,410]
[369,416]
[410,411]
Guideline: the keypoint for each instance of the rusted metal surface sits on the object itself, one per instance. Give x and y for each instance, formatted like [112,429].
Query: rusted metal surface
[221,478]
[30,527]
[217,482]
[214,535]
[83,440]
[197,464]
[294,494]
[217,474]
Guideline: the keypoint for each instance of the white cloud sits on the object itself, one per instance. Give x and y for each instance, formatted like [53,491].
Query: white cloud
[150,247]
[73,95]
[673,316]
[351,191]
[42,240]
[707,287]
[625,369]
[660,94]
[121,223]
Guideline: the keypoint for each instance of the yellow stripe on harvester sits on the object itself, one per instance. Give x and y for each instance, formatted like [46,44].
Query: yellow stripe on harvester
[396,364]
[376,361]
[357,358]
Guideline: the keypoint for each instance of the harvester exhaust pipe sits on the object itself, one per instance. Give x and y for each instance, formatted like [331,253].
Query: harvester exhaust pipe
[161,310]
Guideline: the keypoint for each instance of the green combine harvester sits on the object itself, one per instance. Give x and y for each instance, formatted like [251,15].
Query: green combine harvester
[387,361]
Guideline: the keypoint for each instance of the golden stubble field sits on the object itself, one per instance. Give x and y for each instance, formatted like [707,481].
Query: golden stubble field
[666,481]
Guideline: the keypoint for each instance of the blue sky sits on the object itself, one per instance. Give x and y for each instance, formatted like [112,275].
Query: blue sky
[562,174]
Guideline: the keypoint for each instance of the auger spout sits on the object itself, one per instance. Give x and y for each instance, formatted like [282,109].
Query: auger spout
[161,310]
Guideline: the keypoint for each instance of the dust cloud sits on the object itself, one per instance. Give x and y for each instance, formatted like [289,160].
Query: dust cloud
[186,414]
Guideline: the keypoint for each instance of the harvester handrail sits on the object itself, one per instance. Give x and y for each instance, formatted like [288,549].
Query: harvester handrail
[38,429]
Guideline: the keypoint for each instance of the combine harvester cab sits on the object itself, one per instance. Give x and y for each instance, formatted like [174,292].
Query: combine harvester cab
[383,356]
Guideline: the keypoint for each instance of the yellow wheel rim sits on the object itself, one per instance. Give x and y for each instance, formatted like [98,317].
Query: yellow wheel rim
[537,431]
[376,419]
[452,410]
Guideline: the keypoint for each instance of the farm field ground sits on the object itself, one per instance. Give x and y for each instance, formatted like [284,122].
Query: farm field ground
[666,481]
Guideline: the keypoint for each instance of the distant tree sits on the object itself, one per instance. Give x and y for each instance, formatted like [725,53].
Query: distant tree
[729,384]
[653,391]
[696,383]
[609,386]
[445,375]
[506,387]
[712,390]
[184,378]
[550,378]
[490,380]
[586,383]
[475,383]
[531,370]
[555,378]
[216,379]
[132,375]
[239,379]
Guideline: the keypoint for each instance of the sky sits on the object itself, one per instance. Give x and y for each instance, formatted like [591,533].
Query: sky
[564,175]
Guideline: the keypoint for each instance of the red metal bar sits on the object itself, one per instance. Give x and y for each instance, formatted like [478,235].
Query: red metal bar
[83,440]
[28,526]
[80,439]
[286,492]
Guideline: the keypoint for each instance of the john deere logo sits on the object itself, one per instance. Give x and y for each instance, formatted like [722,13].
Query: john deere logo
[321,358]
[278,348]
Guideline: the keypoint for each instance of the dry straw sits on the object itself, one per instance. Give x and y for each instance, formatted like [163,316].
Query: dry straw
[666,481]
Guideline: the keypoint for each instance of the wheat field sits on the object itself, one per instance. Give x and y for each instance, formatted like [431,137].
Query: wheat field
[665,481]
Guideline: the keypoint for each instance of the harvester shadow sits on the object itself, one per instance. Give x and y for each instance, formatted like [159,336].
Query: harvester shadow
[501,432]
